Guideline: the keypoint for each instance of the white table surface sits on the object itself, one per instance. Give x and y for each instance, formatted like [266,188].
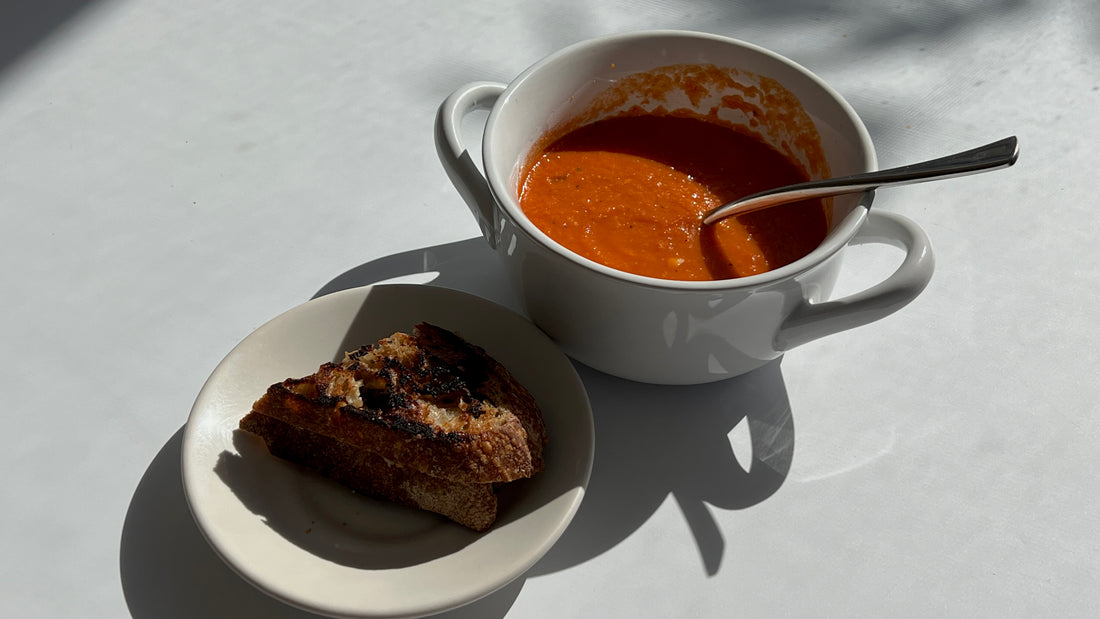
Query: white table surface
[174,174]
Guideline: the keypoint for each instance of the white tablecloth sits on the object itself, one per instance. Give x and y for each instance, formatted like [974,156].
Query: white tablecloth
[174,174]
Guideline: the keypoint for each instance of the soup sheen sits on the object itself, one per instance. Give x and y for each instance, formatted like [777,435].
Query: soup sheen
[630,192]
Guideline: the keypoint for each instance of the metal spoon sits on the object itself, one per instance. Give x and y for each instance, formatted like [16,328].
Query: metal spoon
[1000,154]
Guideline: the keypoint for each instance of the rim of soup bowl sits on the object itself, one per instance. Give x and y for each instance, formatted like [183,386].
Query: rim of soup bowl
[835,240]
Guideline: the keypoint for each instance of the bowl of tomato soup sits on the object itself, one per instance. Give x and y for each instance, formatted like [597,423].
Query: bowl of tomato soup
[630,192]
[598,164]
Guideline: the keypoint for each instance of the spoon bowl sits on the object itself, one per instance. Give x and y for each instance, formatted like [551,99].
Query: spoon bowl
[994,156]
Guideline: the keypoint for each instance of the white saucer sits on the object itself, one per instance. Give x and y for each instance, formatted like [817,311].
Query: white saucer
[314,544]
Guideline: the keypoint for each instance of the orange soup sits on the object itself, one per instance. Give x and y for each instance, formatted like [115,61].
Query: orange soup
[630,192]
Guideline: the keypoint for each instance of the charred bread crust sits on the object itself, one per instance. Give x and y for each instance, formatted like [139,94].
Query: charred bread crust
[497,385]
[471,505]
[430,401]
[498,455]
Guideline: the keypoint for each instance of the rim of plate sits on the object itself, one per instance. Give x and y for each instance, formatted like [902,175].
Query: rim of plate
[317,546]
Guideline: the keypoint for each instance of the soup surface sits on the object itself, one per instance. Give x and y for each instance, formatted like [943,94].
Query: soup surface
[630,192]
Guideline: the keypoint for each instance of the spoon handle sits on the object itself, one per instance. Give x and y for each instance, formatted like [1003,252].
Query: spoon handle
[999,154]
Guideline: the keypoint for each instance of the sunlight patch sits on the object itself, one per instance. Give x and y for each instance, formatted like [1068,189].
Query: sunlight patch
[412,278]
[741,443]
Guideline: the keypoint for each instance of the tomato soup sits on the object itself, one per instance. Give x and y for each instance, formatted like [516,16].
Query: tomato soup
[630,192]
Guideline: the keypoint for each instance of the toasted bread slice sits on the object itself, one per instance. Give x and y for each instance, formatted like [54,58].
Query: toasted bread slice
[427,407]
[471,505]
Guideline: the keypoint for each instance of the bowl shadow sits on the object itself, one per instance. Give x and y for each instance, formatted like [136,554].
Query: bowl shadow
[653,441]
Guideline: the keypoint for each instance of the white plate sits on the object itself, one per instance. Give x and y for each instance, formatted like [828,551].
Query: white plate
[314,544]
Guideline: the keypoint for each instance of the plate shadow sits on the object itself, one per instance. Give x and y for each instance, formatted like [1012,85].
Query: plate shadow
[168,570]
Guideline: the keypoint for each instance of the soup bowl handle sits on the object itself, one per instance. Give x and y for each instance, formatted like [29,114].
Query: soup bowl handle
[811,321]
[456,159]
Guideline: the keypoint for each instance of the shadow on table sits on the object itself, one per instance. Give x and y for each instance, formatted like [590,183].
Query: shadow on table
[726,445]
[26,23]
[468,265]
[168,570]
[651,442]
